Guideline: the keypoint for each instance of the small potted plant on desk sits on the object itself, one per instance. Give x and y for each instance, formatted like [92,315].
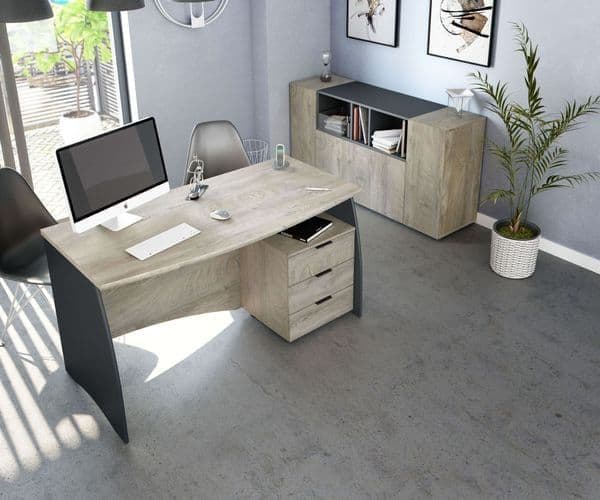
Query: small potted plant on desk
[532,161]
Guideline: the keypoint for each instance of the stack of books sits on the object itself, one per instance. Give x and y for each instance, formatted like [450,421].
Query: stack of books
[338,124]
[388,141]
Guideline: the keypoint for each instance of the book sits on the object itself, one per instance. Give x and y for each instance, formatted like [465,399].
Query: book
[399,145]
[384,149]
[355,123]
[386,143]
[308,230]
[387,133]
[363,125]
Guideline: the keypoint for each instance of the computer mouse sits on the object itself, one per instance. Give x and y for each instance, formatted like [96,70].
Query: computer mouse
[220,215]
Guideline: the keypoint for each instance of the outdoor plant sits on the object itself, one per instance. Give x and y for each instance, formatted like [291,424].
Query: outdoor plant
[532,160]
[81,35]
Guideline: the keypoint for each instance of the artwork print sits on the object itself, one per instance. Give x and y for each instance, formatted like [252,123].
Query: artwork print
[462,30]
[373,21]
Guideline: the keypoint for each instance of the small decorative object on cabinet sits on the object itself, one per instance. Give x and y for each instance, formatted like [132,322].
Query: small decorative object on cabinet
[326,74]
[373,21]
[462,30]
[531,160]
[417,161]
[459,99]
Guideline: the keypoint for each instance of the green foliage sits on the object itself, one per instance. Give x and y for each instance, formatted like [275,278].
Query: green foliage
[80,33]
[532,160]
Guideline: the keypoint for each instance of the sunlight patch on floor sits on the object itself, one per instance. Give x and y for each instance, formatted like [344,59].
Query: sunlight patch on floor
[27,436]
[175,341]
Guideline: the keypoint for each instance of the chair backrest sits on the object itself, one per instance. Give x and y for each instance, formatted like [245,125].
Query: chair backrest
[22,215]
[219,145]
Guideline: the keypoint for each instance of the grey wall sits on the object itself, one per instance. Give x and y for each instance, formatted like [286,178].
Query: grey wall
[569,47]
[297,32]
[238,68]
[184,76]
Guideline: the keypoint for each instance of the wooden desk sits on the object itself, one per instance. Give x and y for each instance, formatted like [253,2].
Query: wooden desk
[102,292]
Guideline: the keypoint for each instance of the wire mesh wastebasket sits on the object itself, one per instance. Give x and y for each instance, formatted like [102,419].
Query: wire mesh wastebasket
[257,150]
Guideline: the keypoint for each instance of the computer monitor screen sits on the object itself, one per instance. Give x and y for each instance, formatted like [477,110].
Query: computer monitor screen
[111,168]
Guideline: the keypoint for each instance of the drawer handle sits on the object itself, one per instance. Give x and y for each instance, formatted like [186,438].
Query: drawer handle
[322,301]
[323,245]
[327,271]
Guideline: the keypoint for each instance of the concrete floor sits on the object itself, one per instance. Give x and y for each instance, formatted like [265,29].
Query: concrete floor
[454,384]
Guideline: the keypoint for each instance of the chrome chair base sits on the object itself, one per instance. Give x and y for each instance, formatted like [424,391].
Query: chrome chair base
[19,301]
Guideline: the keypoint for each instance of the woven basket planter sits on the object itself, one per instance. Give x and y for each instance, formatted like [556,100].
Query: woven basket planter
[514,259]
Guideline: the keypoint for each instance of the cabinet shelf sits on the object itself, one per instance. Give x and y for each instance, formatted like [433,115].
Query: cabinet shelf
[369,100]
[362,144]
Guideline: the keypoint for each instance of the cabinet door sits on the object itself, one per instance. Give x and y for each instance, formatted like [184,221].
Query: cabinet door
[357,169]
[330,154]
[424,165]
[380,177]
[387,186]
[303,112]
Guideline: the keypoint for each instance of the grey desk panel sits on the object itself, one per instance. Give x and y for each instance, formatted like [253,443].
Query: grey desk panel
[386,101]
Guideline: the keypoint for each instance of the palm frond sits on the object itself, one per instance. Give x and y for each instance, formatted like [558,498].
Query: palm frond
[567,181]
[499,194]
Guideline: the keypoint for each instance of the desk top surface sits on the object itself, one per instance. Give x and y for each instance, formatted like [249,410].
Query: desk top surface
[262,202]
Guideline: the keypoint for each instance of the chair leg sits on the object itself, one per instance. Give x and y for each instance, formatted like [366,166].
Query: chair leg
[19,302]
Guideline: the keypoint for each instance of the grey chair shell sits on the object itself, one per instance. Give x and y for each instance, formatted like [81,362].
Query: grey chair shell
[220,146]
[22,215]
[22,251]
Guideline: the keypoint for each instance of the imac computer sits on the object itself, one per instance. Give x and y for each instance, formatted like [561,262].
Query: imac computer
[109,174]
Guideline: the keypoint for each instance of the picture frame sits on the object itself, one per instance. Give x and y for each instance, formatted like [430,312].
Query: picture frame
[462,30]
[374,21]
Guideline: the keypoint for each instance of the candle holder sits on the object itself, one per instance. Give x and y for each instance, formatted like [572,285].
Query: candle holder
[326,74]
[459,99]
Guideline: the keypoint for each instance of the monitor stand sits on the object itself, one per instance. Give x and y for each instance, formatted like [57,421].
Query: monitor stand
[121,221]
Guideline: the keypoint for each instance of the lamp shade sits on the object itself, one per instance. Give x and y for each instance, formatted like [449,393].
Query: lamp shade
[22,11]
[114,5]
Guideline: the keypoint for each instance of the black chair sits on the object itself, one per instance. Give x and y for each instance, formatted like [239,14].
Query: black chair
[219,145]
[22,252]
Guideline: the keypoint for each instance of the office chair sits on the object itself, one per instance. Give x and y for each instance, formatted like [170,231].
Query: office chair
[219,146]
[22,252]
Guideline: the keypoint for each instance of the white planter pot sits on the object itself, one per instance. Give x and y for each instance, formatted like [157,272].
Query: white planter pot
[77,129]
[514,259]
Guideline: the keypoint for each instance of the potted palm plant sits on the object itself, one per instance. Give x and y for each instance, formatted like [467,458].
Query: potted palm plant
[532,160]
[82,37]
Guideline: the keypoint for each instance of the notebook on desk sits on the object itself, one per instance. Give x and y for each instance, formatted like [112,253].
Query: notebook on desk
[308,230]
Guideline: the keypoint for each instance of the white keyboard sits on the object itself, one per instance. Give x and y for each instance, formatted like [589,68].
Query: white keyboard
[162,241]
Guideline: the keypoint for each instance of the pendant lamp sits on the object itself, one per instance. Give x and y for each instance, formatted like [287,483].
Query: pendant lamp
[114,5]
[22,11]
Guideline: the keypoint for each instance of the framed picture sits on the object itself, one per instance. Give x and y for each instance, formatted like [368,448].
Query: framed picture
[373,21]
[462,30]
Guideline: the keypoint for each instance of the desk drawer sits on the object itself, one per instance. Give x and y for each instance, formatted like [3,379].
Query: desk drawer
[321,257]
[323,284]
[321,312]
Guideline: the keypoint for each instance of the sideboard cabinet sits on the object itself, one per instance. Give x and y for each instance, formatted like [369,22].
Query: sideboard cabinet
[430,184]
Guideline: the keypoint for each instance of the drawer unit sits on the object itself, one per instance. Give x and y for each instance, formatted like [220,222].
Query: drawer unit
[294,287]
[322,284]
[321,312]
[320,258]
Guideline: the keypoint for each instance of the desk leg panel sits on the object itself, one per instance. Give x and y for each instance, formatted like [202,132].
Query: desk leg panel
[86,340]
[347,212]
